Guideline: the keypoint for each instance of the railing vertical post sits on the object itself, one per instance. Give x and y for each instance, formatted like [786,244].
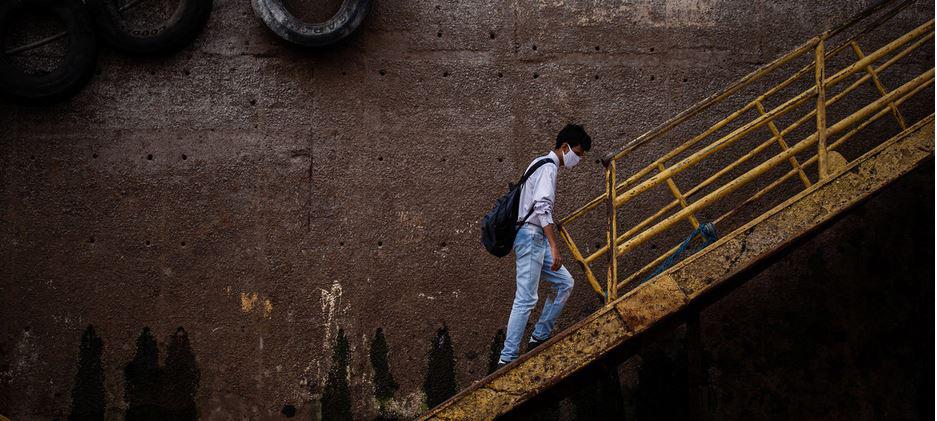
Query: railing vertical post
[878,84]
[821,109]
[612,232]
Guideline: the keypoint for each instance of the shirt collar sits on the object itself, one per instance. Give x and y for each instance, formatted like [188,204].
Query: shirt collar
[556,159]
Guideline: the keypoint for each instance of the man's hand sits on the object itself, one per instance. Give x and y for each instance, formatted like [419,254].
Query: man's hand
[557,259]
[554,247]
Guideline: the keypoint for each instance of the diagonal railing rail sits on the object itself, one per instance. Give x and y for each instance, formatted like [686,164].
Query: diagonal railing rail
[698,156]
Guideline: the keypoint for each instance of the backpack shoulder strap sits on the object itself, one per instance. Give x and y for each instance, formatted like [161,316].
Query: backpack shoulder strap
[533,168]
[527,175]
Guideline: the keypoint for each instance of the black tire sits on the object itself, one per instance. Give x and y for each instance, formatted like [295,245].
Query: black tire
[178,31]
[312,34]
[70,75]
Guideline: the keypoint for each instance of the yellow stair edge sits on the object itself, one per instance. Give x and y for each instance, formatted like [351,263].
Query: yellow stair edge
[685,282]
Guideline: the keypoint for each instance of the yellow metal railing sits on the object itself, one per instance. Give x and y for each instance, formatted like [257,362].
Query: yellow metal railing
[723,152]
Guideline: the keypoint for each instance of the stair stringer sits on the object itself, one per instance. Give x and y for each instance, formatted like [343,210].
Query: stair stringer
[687,281]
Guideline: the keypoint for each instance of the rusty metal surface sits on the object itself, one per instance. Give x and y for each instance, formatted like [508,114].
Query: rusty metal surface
[669,292]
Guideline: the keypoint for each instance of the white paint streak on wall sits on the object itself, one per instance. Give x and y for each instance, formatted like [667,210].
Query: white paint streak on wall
[333,310]
[25,365]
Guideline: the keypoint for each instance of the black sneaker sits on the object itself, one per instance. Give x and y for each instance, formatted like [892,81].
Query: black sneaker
[534,342]
[500,365]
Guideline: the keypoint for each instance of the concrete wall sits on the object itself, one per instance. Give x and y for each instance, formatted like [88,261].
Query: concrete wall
[262,197]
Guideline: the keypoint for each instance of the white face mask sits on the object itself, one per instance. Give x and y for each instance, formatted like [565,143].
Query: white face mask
[570,159]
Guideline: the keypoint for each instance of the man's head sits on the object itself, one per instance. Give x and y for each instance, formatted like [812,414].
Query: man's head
[572,143]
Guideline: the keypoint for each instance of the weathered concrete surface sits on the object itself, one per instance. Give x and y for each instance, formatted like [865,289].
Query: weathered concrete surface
[339,188]
[670,292]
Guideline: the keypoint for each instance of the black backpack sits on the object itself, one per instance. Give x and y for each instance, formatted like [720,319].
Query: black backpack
[500,225]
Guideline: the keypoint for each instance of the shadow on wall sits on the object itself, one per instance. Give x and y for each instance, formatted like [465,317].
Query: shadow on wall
[334,400]
[336,397]
[162,393]
[494,351]
[440,381]
[88,399]
[384,384]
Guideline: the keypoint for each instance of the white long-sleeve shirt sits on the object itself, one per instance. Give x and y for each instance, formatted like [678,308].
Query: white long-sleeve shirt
[539,192]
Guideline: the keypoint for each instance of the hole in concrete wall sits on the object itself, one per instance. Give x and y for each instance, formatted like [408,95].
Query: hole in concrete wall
[500,159]
[380,158]
[596,77]
[147,242]
[442,244]
[597,161]
[253,102]
[149,157]
[439,35]
[152,72]
[344,73]
[94,155]
[444,160]
[341,243]
[492,35]
[445,74]
[184,157]
[652,49]
[684,79]
[288,411]
[652,77]
[91,240]
[536,75]
[597,48]
[598,246]
[182,244]
[186,72]
[534,47]
[500,74]
[383,72]
[380,244]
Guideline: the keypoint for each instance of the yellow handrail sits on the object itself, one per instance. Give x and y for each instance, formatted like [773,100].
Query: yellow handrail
[625,239]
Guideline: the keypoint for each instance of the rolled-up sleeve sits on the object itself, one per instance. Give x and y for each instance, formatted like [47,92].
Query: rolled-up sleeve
[544,195]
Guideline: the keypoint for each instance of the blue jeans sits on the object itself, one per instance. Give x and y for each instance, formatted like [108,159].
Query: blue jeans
[533,258]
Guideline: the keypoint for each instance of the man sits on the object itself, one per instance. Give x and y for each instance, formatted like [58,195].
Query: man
[536,249]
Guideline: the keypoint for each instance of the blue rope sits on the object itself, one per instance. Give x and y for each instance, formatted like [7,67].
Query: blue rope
[706,231]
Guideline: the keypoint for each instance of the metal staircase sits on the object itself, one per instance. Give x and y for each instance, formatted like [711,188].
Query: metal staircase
[764,182]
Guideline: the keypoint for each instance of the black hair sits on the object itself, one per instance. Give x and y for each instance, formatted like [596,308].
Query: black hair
[574,134]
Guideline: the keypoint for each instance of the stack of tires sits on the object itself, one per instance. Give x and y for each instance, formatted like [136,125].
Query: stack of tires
[312,34]
[83,22]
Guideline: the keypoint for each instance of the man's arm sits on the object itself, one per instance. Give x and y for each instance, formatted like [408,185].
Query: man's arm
[554,247]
